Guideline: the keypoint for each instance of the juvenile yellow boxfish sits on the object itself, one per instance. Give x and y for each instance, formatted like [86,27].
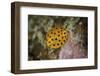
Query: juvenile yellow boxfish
[56,37]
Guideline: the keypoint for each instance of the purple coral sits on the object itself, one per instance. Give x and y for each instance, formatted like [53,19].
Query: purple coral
[71,50]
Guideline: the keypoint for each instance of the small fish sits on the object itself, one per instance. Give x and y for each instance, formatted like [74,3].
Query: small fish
[56,37]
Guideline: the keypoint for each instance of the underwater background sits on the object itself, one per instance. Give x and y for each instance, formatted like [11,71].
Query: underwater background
[57,37]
